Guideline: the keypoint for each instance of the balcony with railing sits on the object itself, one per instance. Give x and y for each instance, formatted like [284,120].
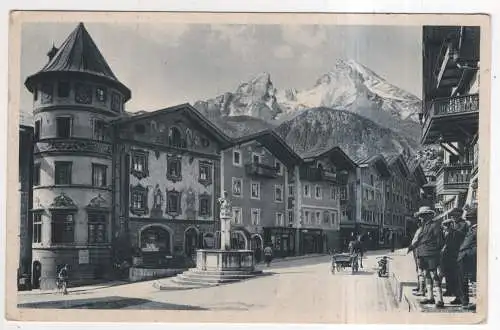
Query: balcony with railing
[443,113]
[263,170]
[315,174]
[453,178]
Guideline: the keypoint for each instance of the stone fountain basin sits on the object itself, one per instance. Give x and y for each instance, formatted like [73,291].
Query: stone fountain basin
[225,260]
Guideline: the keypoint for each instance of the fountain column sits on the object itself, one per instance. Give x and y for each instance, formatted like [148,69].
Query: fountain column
[225,222]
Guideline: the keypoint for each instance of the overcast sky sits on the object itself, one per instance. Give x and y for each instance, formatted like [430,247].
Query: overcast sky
[167,64]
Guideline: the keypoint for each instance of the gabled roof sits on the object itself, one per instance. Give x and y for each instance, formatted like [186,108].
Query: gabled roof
[397,159]
[78,53]
[341,158]
[378,161]
[419,174]
[274,143]
[189,111]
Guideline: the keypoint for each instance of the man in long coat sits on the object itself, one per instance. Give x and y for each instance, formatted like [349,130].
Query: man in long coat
[467,265]
[457,229]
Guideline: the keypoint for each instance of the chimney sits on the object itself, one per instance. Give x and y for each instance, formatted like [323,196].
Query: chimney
[52,52]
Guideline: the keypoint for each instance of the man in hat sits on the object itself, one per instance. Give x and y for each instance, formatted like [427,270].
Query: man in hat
[456,229]
[420,291]
[467,263]
[429,245]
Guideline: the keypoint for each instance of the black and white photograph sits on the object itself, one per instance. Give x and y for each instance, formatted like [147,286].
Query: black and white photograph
[264,168]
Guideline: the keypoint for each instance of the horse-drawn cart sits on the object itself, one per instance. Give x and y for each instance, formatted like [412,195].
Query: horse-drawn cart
[342,261]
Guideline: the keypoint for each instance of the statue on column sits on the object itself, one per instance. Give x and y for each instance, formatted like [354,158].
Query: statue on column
[225,221]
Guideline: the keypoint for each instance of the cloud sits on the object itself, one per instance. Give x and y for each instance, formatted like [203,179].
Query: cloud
[164,34]
[310,36]
[283,51]
[242,39]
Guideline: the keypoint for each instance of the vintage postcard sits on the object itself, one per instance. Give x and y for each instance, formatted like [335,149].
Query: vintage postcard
[236,167]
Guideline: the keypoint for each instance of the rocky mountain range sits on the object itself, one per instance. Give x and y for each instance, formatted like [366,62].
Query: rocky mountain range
[350,106]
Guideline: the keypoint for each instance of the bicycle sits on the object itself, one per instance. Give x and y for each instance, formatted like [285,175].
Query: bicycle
[62,286]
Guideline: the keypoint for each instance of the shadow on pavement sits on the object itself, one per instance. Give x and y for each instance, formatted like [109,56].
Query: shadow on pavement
[299,262]
[107,303]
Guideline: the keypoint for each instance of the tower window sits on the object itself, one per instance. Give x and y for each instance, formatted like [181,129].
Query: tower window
[63,127]
[63,227]
[38,127]
[47,93]
[37,227]
[36,174]
[63,173]
[97,227]
[115,102]
[99,175]
[101,94]
[63,89]
[83,94]
[99,130]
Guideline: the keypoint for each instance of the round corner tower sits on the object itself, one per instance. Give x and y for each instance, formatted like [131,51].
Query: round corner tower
[75,98]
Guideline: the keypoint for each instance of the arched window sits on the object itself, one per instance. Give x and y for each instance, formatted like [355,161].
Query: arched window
[175,138]
[155,239]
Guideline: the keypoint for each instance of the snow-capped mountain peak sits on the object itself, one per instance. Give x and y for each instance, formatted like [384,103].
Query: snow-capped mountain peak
[349,85]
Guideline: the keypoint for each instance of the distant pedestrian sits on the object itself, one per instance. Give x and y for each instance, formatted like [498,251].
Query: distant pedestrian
[392,238]
[268,255]
[429,245]
[356,250]
[62,279]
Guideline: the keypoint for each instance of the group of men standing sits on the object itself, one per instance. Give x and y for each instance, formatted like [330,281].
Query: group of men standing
[444,249]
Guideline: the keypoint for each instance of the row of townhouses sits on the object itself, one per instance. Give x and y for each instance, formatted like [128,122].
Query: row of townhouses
[103,186]
[450,116]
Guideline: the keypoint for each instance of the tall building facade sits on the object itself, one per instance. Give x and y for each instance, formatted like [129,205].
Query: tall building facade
[166,182]
[450,114]
[256,171]
[26,203]
[323,196]
[373,174]
[75,95]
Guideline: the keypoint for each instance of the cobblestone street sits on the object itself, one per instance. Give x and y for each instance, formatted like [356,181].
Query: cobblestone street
[304,286]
